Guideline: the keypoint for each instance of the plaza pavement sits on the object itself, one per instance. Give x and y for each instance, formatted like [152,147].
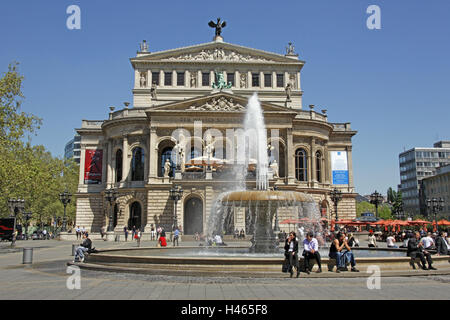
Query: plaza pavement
[46,280]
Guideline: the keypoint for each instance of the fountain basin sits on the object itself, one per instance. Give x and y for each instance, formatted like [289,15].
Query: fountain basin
[186,261]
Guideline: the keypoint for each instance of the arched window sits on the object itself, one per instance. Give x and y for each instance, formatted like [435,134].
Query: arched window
[119,159]
[166,154]
[301,170]
[319,166]
[137,165]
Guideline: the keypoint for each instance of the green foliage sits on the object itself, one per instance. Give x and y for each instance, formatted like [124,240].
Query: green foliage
[384,212]
[29,172]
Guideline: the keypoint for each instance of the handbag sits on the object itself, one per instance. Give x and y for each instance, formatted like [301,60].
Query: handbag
[285,266]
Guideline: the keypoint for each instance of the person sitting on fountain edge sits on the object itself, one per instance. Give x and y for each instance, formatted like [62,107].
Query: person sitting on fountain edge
[336,252]
[85,246]
[311,250]
[415,250]
[291,253]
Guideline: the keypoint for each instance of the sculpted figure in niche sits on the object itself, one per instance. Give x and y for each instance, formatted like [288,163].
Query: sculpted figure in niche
[288,92]
[243,80]
[275,169]
[193,80]
[167,168]
[153,91]
[143,80]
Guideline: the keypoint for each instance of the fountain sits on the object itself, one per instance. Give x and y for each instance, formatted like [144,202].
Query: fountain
[261,205]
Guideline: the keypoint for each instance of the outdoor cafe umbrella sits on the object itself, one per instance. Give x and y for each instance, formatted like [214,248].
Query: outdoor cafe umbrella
[204,161]
[444,222]
[423,222]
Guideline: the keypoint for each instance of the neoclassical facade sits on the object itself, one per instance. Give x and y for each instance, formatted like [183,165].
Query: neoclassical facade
[177,91]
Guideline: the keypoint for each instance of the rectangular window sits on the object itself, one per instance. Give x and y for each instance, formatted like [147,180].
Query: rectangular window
[155,78]
[205,79]
[280,80]
[167,78]
[267,80]
[255,79]
[230,78]
[180,79]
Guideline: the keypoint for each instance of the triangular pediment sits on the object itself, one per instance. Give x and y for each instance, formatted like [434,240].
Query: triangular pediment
[216,52]
[216,102]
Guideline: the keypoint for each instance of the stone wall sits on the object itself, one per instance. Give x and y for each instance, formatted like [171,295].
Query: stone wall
[90,212]
[160,208]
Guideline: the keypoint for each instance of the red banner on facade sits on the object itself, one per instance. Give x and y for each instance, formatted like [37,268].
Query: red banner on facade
[93,167]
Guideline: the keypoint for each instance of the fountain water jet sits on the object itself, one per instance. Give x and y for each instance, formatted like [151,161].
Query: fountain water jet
[260,205]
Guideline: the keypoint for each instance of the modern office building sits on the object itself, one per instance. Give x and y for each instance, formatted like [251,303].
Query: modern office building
[415,165]
[73,149]
[437,187]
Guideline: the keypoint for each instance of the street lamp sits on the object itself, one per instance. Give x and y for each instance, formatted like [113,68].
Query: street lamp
[435,205]
[175,194]
[15,206]
[111,196]
[376,198]
[64,197]
[336,196]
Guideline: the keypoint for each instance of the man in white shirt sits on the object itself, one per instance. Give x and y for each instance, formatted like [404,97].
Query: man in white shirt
[311,251]
[390,241]
[428,242]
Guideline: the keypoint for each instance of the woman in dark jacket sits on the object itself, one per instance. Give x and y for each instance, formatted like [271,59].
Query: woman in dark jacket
[291,253]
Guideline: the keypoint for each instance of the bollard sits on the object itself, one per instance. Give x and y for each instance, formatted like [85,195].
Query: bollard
[27,256]
[74,249]
[117,238]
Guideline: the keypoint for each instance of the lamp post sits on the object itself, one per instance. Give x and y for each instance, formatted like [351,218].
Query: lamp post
[376,198]
[176,192]
[64,197]
[435,205]
[26,217]
[111,196]
[15,206]
[336,196]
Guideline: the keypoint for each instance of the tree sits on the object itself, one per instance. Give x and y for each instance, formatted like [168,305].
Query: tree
[26,171]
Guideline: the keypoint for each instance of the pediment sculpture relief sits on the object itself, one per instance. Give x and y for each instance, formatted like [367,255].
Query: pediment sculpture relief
[218,54]
[220,104]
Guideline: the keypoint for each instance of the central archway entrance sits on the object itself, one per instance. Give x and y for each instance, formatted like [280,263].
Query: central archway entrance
[193,216]
[135,215]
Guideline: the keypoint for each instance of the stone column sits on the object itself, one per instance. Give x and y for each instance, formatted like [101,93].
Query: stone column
[149,78]
[274,80]
[82,163]
[109,177]
[137,79]
[261,79]
[249,79]
[125,162]
[211,78]
[327,167]
[313,162]
[350,168]
[152,156]
[237,79]
[161,78]
[104,147]
[290,153]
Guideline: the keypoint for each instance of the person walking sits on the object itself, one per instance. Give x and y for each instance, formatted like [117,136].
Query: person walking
[152,233]
[137,236]
[291,253]
[125,232]
[311,251]
[133,232]
[162,238]
[176,234]
[78,232]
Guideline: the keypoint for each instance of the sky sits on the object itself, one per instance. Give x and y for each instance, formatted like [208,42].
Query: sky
[391,83]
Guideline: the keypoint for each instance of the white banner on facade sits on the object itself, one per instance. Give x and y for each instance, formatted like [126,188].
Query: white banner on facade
[339,167]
